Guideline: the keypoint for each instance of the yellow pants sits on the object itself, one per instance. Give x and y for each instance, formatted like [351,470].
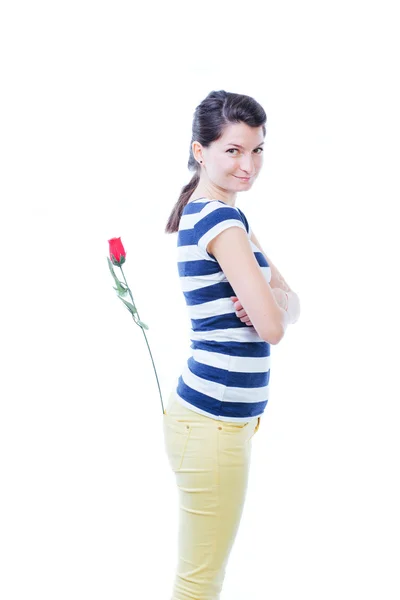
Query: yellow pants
[210,460]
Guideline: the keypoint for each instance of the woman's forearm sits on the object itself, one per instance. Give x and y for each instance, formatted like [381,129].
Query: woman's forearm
[289,302]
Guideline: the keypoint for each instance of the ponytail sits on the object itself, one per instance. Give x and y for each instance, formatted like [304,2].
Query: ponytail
[175,216]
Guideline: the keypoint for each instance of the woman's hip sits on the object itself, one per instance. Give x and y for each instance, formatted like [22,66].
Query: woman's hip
[194,440]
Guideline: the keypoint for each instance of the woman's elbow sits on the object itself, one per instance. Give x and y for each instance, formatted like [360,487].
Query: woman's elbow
[275,336]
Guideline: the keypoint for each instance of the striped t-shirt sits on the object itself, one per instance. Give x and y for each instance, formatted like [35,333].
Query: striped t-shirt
[226,376]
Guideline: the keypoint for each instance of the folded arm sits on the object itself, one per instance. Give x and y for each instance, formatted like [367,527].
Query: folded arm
[277,281]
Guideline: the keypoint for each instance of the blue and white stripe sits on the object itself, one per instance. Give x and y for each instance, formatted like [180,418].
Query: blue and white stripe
[226,376]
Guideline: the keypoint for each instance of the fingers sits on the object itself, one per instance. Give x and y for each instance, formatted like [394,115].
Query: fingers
[243,316]
[236,302]
[240,312]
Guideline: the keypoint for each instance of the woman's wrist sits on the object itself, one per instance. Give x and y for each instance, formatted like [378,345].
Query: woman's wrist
[293,307]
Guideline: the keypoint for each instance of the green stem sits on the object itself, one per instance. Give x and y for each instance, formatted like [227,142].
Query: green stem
[145,337]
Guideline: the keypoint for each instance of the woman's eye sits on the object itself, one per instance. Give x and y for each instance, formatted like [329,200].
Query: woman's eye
[230,149]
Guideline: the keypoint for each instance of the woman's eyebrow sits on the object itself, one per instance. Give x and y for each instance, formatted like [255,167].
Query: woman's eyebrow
[239,146]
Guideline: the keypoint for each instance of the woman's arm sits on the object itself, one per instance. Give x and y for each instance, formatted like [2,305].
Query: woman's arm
[277,281]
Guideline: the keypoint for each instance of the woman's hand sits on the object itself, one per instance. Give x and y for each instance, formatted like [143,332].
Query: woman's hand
[280,297]
[240,312]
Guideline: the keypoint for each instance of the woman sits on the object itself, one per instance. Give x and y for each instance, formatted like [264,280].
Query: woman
[239,305]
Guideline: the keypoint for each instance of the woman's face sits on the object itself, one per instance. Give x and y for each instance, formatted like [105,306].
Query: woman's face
[234,160]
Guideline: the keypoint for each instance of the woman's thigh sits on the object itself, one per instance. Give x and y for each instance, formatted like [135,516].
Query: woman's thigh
[211,460]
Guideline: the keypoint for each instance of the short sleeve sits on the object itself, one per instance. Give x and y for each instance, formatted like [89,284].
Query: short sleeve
[245,221]
[214,218]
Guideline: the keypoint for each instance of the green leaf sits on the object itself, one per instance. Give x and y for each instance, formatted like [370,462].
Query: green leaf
[142,324]
[121,287]
[112,271]
[129,306]
[121,291]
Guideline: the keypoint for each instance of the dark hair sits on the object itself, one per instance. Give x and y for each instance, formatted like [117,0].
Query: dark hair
[210,118]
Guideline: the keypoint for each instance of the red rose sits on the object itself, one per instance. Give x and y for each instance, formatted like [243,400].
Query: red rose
[117,251]
[117,258]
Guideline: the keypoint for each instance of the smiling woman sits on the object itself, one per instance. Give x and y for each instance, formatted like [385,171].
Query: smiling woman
[221,394]
[227,161]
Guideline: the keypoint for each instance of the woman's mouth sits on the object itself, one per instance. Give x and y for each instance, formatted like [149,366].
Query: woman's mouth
[243,178]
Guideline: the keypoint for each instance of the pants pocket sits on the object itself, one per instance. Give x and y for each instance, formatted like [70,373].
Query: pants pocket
[176,436]
[256,427]
[233,427]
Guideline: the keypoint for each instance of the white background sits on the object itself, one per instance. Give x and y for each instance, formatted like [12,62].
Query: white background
[96,110]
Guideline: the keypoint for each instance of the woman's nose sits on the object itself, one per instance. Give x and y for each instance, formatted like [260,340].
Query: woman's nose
[247,165]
